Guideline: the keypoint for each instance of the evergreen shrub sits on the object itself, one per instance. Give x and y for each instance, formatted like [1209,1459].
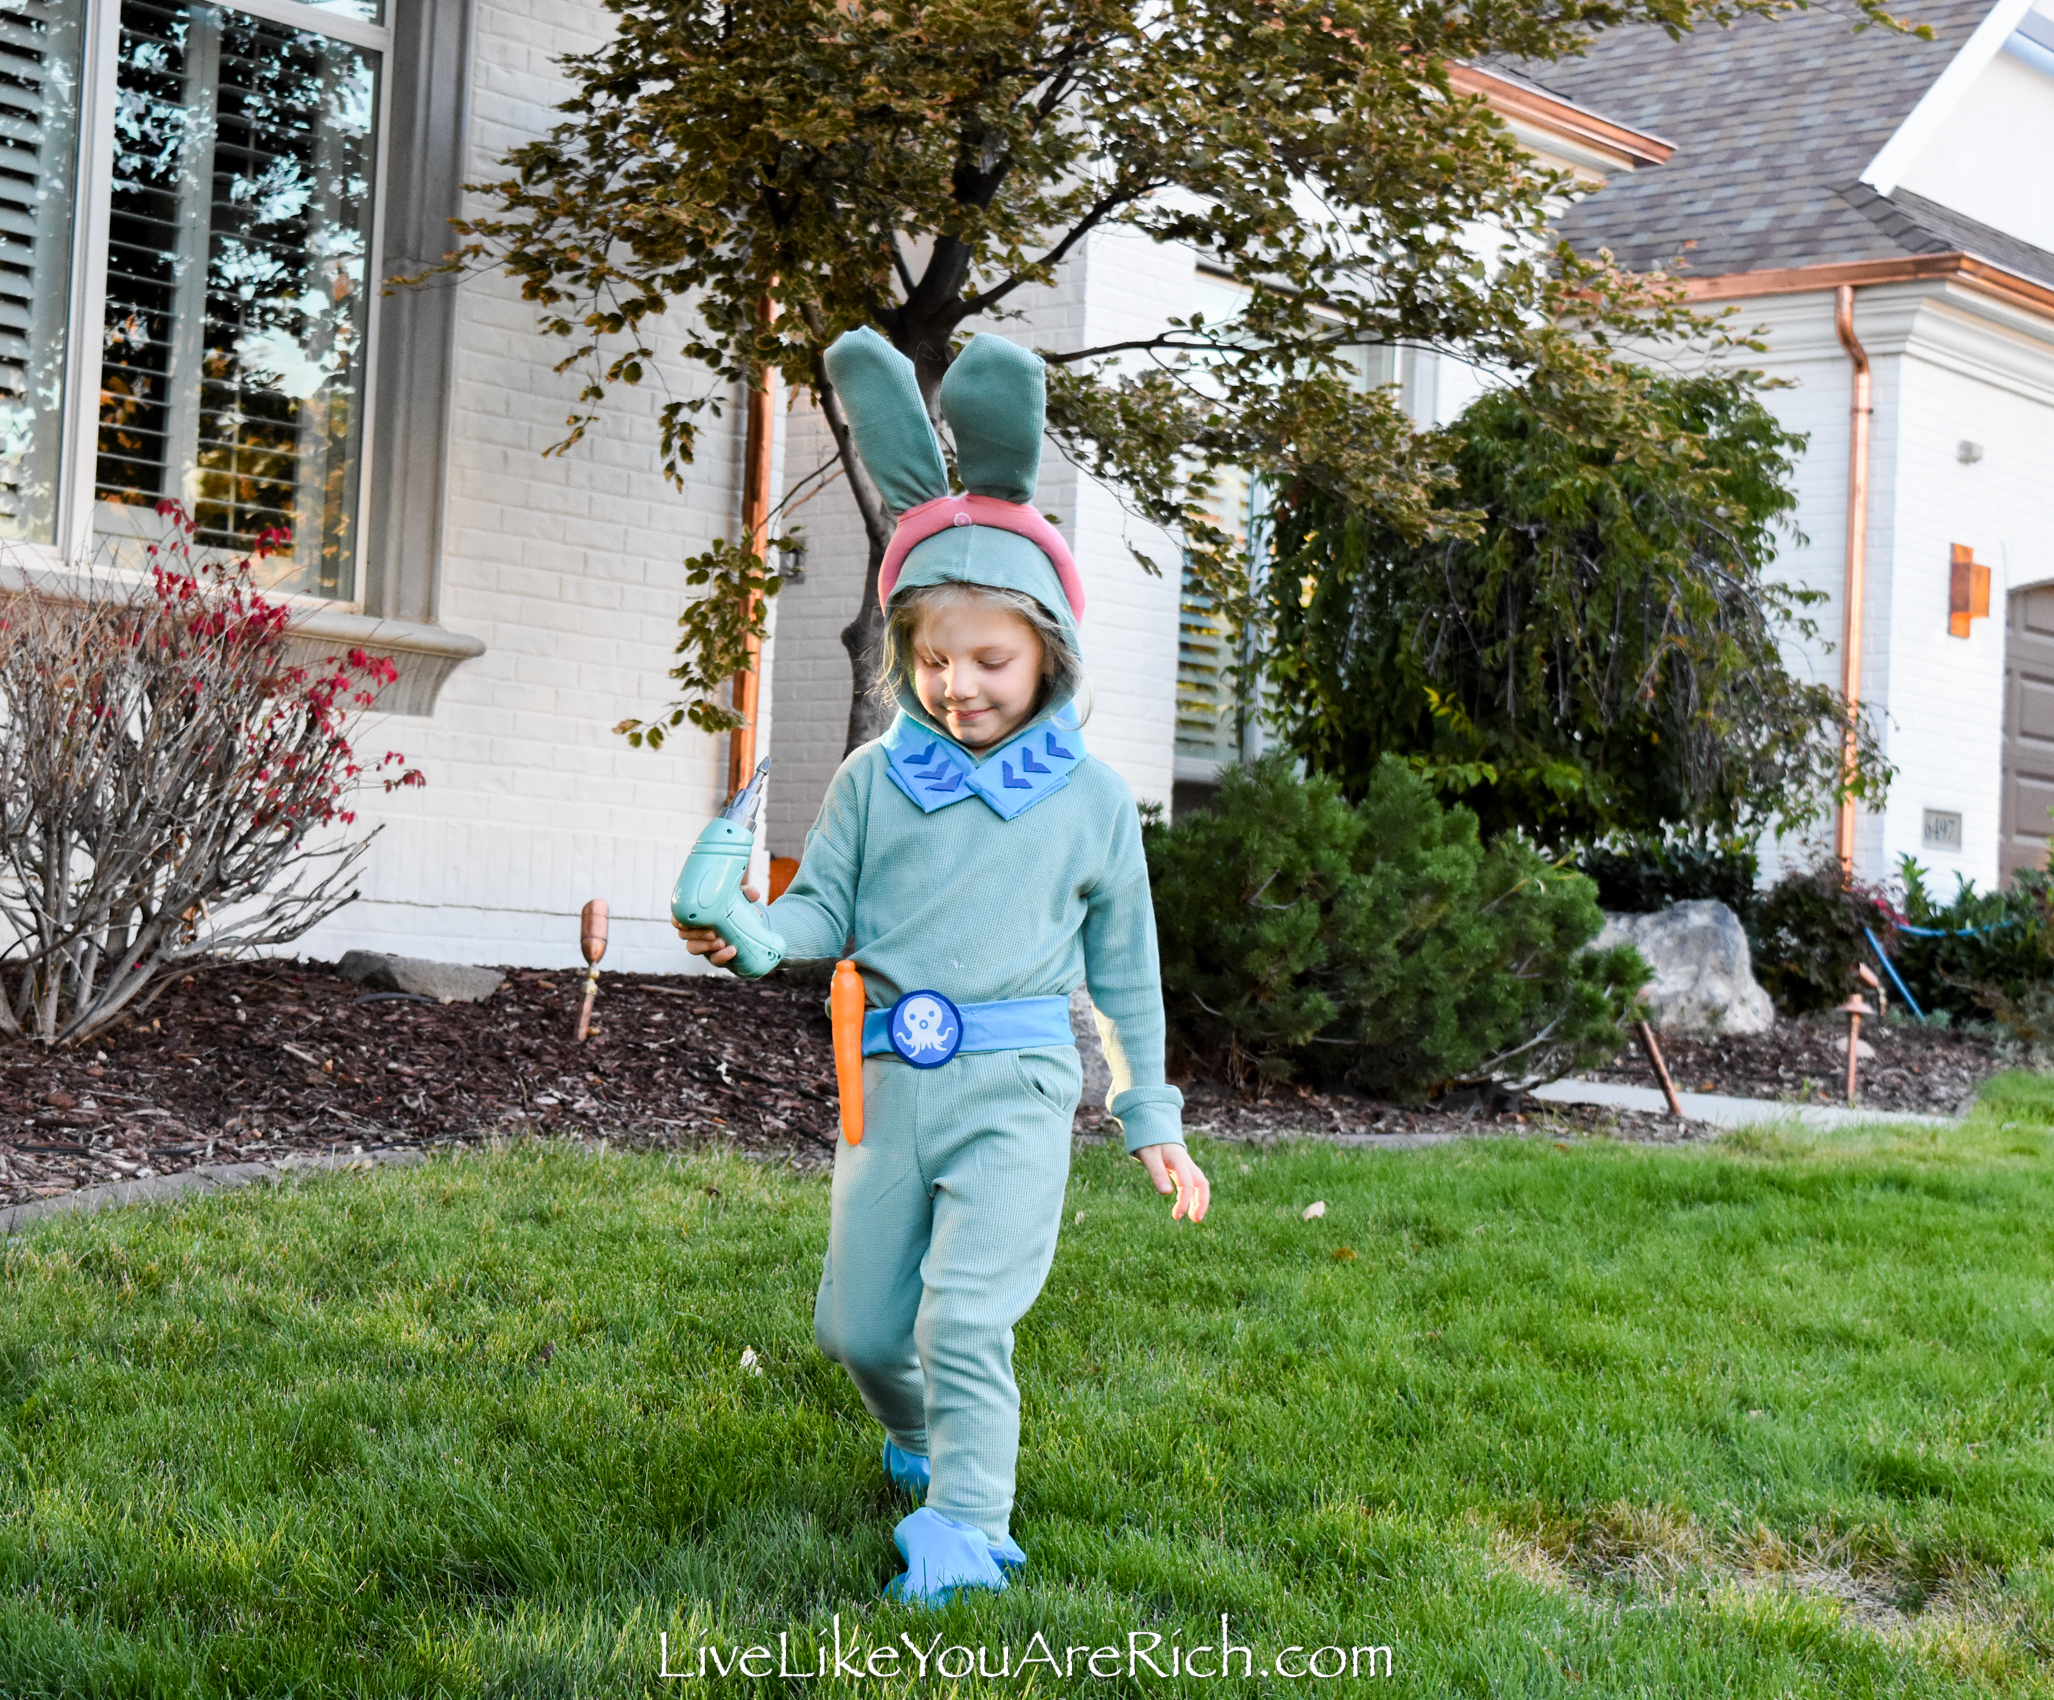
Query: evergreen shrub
[1604,652]
[1379,945]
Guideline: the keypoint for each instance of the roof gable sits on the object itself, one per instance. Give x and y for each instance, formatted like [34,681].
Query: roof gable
[1776,121]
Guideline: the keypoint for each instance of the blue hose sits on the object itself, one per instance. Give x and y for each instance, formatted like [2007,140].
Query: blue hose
[1890,968]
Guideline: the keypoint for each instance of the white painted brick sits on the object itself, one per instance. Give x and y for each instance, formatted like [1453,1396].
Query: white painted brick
[570,569]
[1941,375]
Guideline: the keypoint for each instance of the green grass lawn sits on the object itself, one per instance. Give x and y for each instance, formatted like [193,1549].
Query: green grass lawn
[1766,1418]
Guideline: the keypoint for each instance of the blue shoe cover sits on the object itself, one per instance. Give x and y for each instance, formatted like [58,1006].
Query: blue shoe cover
[941,1556]
[1006,1554]
[907,1471]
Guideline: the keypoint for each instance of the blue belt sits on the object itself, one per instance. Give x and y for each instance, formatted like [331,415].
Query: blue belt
[926,1029]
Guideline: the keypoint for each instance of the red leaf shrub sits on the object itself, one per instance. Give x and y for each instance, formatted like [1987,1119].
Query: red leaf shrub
[173,785]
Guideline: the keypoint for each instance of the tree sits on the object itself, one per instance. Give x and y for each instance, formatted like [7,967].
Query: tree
[913,165]
[1602,653]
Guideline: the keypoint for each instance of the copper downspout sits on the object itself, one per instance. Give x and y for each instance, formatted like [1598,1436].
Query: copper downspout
[1857,562]
[741,749]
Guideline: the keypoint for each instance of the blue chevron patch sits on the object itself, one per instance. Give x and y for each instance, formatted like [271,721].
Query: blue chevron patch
[934,772]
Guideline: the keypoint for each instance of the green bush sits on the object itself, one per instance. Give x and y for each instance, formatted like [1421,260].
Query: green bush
[1808,940]
[1995,955]
[1643,876]
[1379,945]
[1605,653]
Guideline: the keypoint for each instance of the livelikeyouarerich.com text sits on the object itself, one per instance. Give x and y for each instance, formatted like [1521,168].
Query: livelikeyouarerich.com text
[1144,1654]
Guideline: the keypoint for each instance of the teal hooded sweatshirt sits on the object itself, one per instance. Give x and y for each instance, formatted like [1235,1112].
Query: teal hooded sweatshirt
[955,898]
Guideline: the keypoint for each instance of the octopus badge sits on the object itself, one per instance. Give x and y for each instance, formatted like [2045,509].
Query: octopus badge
[926,1029]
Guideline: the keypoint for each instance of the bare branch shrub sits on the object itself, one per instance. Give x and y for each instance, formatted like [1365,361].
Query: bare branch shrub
[171,782]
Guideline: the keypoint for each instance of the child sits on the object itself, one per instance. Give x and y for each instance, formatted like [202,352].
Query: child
[977,864]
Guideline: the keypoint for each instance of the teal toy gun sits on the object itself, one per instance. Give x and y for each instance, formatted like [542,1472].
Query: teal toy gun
[709,891]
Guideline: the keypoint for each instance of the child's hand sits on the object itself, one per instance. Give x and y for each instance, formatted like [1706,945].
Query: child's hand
[1172,1170]
[704,941]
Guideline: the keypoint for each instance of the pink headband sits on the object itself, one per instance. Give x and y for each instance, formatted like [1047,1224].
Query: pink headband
[930,519]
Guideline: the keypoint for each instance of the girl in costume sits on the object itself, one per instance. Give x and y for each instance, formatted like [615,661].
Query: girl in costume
[978,864]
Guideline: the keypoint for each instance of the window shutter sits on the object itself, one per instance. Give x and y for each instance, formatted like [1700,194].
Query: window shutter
[39,81]
[1212,727]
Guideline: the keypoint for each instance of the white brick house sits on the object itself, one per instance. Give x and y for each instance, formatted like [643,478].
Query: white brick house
[159,144]
[529,602]
[1811,160]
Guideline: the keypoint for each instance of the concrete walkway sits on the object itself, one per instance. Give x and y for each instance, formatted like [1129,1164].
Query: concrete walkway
[1721,1111]
[189,1183]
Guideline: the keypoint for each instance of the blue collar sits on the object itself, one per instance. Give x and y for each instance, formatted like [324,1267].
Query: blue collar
[935,772]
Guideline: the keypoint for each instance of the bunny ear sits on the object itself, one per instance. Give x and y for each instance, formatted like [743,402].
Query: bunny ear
[994,399]
[882,399]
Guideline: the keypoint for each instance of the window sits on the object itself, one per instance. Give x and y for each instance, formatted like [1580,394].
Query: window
[1213,726]
[199,202]
[188,194]
[1217,724]
[238,287]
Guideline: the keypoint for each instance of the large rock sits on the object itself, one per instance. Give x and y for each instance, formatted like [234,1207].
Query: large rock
[445,982]
[1704,977]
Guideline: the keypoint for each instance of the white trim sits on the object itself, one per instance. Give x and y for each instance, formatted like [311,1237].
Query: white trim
[1937,104]
[1590,163]
[2027,51]
[92,200]
[374,281]
[1954,330]
[2028,561]
[312,18]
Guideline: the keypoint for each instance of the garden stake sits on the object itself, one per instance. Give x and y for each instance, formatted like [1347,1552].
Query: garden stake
[592,941]
[1654,1057]
[1854,1009]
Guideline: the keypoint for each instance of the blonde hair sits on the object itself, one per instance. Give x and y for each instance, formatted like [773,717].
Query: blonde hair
[1061,674]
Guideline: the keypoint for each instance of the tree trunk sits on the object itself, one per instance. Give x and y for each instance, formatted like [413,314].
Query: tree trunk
[870,710]
[862,637]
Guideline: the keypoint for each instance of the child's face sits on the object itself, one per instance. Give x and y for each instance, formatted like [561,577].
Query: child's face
[977,668]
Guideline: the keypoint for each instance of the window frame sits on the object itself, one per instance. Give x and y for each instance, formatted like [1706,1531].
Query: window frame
[76,536]
[425,74]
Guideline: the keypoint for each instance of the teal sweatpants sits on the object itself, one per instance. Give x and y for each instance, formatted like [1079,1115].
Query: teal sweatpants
[943,1229]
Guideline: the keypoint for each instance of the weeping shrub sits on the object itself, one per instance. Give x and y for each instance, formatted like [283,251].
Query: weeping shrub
[1602,656]
[1379,945]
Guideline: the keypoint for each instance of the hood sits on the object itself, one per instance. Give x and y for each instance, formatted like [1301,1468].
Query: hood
[994,403]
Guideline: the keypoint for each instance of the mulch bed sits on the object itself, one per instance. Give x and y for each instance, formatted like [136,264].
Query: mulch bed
[255,1062]
[1922,1069]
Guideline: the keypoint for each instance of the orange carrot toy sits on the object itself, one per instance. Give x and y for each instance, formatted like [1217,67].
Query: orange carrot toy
[845,1014]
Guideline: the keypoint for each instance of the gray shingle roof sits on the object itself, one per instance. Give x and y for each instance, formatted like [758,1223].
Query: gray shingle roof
[1920,226]
[1773,121]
